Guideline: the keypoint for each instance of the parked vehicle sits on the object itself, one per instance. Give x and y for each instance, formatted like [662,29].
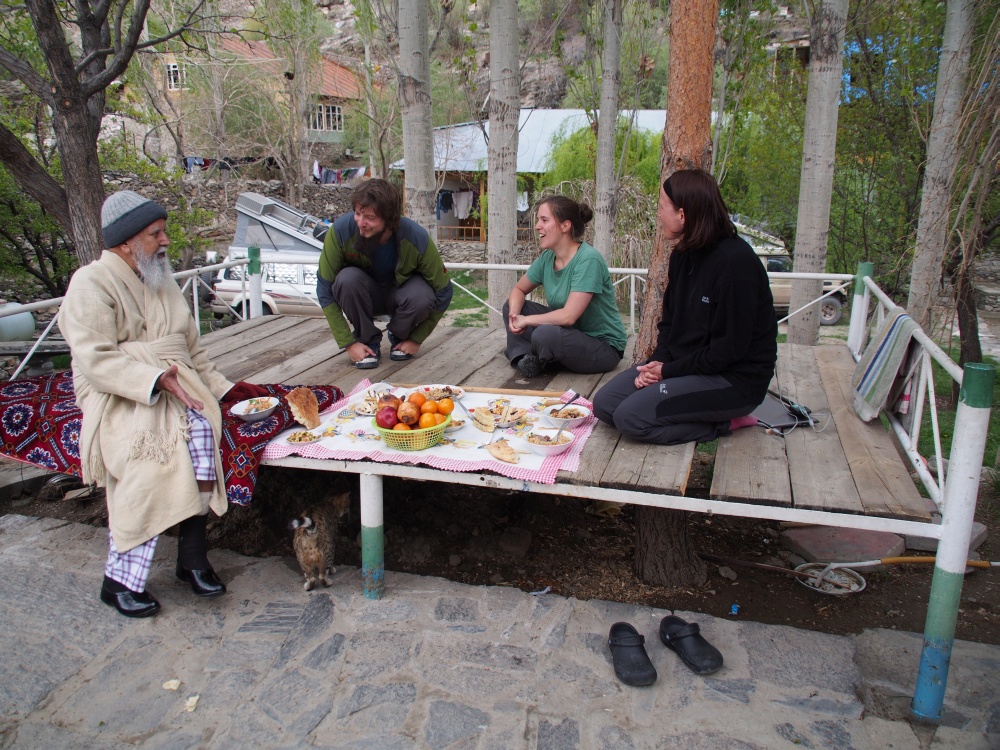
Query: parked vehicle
[287,288]
[776,259]
[290,242]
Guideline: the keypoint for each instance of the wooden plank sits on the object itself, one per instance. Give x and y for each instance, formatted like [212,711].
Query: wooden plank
[312,344]
[249,336]
[244,325]
[649,468]
[751,466]
[597,452]
[461,353]
[263,351]
[820,475]
[881,476]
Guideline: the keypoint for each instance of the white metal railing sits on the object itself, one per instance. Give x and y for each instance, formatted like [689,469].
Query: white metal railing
[919,390]
[635,277]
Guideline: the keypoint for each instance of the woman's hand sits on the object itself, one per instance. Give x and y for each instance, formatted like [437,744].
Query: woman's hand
[517,323]
[649,373]
[169,383]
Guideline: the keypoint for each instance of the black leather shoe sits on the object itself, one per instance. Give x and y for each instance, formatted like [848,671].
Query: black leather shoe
[131,603]
[203,582]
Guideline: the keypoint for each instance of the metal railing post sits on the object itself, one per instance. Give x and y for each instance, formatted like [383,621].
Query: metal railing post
[972,418]
[372,537]
[256,290]
[859,310]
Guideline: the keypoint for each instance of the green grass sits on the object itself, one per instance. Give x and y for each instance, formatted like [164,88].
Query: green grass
[61,362]
[477,315]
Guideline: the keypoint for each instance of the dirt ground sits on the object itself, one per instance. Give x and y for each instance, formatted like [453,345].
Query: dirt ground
[490,537]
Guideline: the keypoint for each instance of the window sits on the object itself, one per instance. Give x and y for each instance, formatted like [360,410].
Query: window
[327,117]
[175,76]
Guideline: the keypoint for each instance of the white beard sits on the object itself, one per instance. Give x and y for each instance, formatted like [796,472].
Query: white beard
[153,269]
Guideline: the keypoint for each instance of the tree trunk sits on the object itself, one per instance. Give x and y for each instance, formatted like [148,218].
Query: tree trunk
[663,553]
[415,94]
[606,182]
[505,111]
[942,157]
[826,67]
[81,176]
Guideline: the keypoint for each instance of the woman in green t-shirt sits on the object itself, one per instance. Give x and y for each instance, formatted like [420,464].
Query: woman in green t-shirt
[580,328]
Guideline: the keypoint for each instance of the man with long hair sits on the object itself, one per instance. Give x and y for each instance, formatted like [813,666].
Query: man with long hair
[377,262]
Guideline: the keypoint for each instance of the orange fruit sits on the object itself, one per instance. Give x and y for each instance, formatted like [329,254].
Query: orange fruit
[429,407]
[439,418]
[416,398]
[446,406]
[427,420]
[401,426]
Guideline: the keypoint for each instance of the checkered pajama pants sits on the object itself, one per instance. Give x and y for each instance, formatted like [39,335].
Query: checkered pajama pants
[131,568]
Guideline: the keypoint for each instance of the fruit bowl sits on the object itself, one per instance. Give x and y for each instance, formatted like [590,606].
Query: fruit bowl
[255,409]
[549,449]
[413,440]
[583,411]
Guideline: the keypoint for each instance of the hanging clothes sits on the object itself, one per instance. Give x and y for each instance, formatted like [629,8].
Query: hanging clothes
[463,204]
[444,202]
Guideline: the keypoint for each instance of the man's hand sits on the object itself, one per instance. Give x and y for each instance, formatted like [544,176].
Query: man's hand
[169,383]
[649,373]
[409,346]
[242,390]
[358,351]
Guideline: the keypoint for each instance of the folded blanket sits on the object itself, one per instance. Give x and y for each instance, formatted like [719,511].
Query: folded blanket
[40,424]
[881,362]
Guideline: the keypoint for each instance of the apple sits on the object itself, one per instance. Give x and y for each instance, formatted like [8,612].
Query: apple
[386,418]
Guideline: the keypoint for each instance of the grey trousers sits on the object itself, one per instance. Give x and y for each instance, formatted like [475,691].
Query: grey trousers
[569,347]
[675,410]
[361,299]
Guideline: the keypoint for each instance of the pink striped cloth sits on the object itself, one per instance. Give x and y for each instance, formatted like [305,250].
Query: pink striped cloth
[357,440]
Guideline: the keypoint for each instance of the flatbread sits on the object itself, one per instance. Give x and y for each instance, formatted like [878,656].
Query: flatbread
[305,407]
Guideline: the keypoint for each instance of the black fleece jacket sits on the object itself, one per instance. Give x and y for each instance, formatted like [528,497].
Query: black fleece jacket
[718,317]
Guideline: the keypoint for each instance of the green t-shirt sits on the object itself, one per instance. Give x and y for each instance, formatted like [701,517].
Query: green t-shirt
[587,272]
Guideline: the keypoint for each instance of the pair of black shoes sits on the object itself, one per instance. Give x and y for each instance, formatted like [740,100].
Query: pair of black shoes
[143,604]
[632,664]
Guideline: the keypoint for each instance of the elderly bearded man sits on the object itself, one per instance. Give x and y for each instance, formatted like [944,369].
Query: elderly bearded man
[150,402]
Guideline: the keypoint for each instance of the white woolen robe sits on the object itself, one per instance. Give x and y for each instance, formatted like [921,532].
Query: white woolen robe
[122,335]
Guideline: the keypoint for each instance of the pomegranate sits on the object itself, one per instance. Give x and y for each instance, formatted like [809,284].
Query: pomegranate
[408,413]
[386,417]
[387,399]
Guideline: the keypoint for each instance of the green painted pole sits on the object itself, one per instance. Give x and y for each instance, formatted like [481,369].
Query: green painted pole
[972,419]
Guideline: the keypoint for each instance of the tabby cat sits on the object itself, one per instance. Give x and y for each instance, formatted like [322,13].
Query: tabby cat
[315,537]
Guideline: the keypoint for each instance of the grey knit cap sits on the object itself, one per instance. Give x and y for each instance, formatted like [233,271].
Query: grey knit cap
[125,214]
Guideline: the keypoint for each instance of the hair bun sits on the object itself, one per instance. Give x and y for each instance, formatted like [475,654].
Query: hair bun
[586,213]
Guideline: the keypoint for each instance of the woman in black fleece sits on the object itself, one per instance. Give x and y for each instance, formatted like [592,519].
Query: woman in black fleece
[717,342]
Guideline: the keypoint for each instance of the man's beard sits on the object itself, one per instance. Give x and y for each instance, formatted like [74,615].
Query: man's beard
[366,245]
[153,269]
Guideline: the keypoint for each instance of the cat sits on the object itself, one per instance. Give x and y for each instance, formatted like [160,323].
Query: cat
[314,538]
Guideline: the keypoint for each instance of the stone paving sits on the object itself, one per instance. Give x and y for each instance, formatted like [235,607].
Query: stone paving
[435,664]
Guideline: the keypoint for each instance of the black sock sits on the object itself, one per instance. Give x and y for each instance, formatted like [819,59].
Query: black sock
[113,587]
[192,547]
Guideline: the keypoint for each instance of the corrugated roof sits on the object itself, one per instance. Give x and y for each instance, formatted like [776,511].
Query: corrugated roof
[463,147]
[338,82]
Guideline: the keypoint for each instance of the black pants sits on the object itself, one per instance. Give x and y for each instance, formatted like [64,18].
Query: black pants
[675,410]
[569,347]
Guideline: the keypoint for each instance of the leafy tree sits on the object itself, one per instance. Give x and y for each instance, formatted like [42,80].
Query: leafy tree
[70,74]
[573,156]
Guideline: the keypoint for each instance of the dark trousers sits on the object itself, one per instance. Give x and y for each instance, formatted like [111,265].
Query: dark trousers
[569,347]
[675,410]
[361,299]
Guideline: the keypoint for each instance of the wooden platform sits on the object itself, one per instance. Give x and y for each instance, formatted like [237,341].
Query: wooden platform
[848,467]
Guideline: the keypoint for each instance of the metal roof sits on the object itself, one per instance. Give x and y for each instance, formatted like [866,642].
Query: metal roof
[463,147]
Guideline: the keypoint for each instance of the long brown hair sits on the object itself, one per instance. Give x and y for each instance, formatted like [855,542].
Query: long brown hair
[381,196]
[706,220]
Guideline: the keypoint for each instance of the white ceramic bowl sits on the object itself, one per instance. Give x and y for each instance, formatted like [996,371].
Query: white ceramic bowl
[550,450]
[242,409]
[559,422]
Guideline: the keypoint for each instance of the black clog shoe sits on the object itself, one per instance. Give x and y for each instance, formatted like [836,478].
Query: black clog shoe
[203,582]
[131,603]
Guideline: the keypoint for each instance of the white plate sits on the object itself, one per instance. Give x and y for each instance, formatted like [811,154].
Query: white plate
[550,449]
[559,422]
[362,409]
[456,424]
[242,409]
[456,392]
